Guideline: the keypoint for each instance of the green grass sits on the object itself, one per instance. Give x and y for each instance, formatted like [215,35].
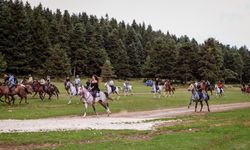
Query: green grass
[137,102]
[213,131]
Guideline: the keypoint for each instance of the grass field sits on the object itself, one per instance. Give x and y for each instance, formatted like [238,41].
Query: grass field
[141,100]
[212,131]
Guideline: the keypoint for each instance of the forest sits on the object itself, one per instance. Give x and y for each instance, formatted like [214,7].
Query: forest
[40,41]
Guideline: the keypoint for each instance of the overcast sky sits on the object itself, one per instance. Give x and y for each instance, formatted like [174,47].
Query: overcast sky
[226,20]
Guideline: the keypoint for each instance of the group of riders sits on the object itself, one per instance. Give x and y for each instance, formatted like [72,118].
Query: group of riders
[92,85]
[10,87]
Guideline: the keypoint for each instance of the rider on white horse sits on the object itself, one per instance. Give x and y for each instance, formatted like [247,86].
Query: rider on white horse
[95,86]
[112,85]
[77,83]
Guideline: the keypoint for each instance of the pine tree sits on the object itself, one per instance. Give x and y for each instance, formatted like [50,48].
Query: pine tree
[18,53]
[58,63]
[245,54]
[210,61]
[133,54]
[3,64]
[40,40]
[117,54]
[106,71]
[184,60]
[77,51]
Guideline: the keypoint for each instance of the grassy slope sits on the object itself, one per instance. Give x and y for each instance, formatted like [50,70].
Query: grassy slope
[223,130]
[137,102]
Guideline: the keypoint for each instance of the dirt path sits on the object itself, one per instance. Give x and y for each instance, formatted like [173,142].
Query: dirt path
[117,121]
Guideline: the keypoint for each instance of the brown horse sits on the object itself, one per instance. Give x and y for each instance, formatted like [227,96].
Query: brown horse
[245,89]
[20,90]
[38,88]
[169,89]
[206,87]
[49,89]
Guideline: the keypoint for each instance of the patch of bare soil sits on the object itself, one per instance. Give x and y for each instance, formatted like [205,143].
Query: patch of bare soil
[143,120]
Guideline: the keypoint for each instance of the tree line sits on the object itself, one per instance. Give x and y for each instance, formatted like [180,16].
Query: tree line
[39,41]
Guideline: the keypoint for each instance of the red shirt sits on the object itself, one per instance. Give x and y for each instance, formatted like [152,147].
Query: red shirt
[219,85]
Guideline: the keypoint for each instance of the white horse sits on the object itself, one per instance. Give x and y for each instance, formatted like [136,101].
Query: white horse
[218,91]
[157,91]
[109,90]
[127,89]
[72,91]
[88,99]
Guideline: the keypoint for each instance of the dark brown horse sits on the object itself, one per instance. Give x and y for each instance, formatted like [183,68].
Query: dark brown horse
[169,89]
[49,89]
[38,88]
[245,89]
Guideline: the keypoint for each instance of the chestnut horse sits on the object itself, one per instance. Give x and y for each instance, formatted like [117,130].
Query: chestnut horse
[20,90]
[169,89]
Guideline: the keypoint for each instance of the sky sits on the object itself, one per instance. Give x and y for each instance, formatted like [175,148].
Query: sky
[225,20]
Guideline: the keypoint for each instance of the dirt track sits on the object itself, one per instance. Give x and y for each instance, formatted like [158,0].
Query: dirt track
[122,120]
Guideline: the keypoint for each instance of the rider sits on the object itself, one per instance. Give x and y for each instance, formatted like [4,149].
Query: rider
[43,82]
[157,82]
[6,78]
[220,86]
[12,82]
[77,83]
[208,83]
[126,83]
[112,85]
[95,86]
[199,90]
[88,84]
[30,80]
[66,81]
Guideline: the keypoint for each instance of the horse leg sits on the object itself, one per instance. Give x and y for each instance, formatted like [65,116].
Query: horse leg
[106,106]
[85,109]
[41,96]
[93,106]
[190,103]
[21,98]
[207,106]
[69,102]
[35,94]
[196,105]
[13,99]
[201,106]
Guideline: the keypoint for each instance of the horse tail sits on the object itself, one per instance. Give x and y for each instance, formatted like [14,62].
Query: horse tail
[107,95]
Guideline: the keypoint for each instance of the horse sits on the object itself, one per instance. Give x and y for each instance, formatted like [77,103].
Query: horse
[110,91]
[38,88]
[198,97]
[72,90]
[19,89]
[207,87]
[88,99]
[169,89]
[127,89]
[219,91]
[157,90]
[50,89]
